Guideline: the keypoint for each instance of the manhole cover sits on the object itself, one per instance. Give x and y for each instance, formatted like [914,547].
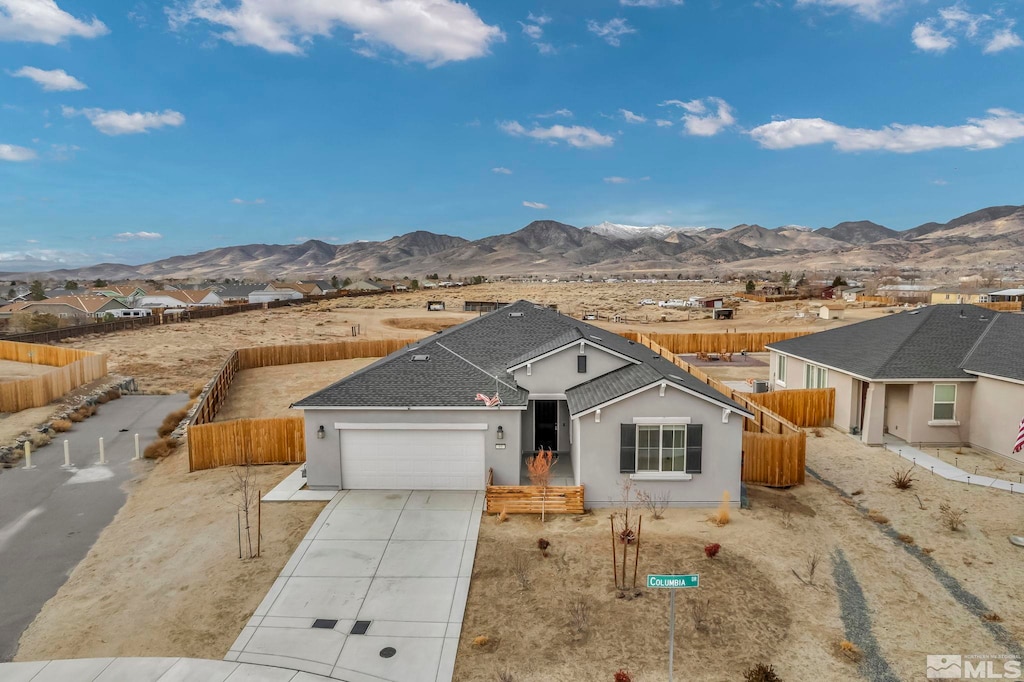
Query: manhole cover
[388,652]
[325,623]
[360,627]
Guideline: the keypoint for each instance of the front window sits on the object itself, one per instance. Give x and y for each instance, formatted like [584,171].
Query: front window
[944,404]
[781,373]
[661,448]
[815,377]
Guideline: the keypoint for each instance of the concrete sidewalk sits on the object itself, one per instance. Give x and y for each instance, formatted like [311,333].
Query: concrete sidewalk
[400,561]
[947,470]
[148,670]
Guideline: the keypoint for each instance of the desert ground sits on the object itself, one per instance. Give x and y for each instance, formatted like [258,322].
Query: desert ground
[179,588]
[12,371]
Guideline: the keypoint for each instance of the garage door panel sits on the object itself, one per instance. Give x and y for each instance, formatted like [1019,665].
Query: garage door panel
[411,459]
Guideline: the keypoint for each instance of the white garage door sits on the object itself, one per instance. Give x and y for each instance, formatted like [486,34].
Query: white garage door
[412,460]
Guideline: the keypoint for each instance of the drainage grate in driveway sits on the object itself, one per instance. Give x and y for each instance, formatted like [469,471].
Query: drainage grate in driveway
[360,627]
[325,623]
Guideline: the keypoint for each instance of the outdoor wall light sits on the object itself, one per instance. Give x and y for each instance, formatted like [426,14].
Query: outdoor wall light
[501,433]
[320,433]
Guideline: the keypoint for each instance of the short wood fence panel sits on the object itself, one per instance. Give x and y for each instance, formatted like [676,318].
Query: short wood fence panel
[247,441]
[532,499]
[71,368]
[804,407]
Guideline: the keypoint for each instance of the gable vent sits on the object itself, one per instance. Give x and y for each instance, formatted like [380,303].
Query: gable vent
[515,314]
[420,358]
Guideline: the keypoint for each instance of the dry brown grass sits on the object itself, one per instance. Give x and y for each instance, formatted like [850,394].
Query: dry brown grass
[76,417]
[906,539]
[952,517]
[61,425]
[721,516]
[160,448]
[171,422]
[38,439]
[878,517]
[427,324]
[196,389]
[102,399]
[114,394]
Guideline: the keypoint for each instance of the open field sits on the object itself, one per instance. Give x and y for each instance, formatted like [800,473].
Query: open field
[268,391]
[12,371]
[164,578]
[758,609]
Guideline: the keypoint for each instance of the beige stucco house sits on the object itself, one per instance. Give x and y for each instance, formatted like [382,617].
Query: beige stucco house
[939,375]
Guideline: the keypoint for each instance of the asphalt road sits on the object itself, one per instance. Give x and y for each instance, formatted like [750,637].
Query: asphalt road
[50,516]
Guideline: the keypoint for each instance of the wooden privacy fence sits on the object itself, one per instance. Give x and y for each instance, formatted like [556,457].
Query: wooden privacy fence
[762,298]
[752,342]
[887,300]
[1003,306]
[532,499]
[788,440]
[71,368]
[256,441]
[276,450]
[802,406]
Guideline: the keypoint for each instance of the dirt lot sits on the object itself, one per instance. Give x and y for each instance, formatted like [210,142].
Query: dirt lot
[268,391]
[758,609]
[12,371]
[164,579]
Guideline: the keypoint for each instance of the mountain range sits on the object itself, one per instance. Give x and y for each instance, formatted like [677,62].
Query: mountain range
[990,238]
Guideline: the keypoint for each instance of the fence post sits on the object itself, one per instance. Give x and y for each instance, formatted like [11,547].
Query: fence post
[103,457]
[28,456]
[138,454]
[67,454]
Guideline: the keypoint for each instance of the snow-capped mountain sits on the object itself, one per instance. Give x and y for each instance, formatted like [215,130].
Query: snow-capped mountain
[618,231]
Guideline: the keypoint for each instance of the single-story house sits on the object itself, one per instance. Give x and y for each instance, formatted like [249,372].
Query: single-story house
[128,294]
[66,307]
[306,289]
[364,285]
[1005,295]
[850,293]
[488,393]
[237,293]
[268,295]
[180,298]
[939,375]
[960,295]
[323,285]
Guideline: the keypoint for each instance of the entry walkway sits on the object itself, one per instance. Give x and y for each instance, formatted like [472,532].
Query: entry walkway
[375,592]
[947,470]
[148,670]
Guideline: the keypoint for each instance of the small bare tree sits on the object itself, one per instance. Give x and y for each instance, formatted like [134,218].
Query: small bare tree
[246,506]
[656,504]
[520,566]
[699,612]
[539,469]
[579,614]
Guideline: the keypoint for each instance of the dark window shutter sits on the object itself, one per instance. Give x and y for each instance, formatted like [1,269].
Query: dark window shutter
[581,364]
[694,445]
[627,448]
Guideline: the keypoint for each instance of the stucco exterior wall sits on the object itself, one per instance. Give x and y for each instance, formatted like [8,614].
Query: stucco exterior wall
[921,400]
[598,462]
[847,400]
[557,372]
[323,457]
[996,410]
[897,410]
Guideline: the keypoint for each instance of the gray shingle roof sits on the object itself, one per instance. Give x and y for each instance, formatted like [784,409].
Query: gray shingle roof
[464,360]
[927,343]
[610,386]
[998,352]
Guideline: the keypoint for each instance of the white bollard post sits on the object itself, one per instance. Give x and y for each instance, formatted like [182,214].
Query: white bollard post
[28,455]
[138,455]
[103,457]
[67,454]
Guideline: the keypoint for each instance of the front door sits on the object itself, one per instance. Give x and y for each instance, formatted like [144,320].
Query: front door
[545,425]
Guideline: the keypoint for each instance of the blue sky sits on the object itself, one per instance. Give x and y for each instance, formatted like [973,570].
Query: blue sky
[131,131]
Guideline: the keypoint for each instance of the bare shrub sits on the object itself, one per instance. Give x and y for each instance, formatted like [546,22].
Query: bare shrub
[160,448]
[114,394]
[906,539]
[76,417]
[88,410]
[761,673]
[579,614]
[656,504]
[38,439]
[196,389]
[811,568]
[787,519]
[61,425]
[721,517]
[503,675]
[520,567]
[102,399]
[539,469]
[171,422]
[878,517]
[699,611]
[952,518]
[902,480]
[481,640]
[850,650]
[818,433]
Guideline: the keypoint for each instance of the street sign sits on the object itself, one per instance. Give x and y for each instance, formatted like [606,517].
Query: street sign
[673,582]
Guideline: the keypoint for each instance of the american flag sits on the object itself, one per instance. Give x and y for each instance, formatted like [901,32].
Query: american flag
[1019,445]
[495,401]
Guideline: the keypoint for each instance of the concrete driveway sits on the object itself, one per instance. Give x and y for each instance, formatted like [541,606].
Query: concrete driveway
[400,561]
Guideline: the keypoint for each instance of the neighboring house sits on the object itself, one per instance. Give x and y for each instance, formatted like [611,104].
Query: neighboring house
[960,295]
[938,375]
[306,289]
[1004,295]
[364,285]
[127,293]
[180,298]
[850,294]
[907,293]
[268,295]
[237,293]
[66,307]
[323,284]
[610,408]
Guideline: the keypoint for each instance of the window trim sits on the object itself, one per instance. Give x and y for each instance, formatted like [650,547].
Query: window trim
[943,421]
[581,364]
[660,473]
[819,373]
[780,370]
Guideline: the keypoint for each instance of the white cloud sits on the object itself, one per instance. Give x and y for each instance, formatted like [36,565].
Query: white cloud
[631,117]
[874,10]
[575,136]
[10,152]
[562,113]
[611,31]
[649,3]
[532,31]
[124,123]
[130,236]
[546,49]
[1003,39]
[704,117]
[52,81]
[430,31]
[931,39]
[940,182]
[999,128]
[616,180]
[501,170]
[42,21]
[242,202]
[662,123]
[534,204]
